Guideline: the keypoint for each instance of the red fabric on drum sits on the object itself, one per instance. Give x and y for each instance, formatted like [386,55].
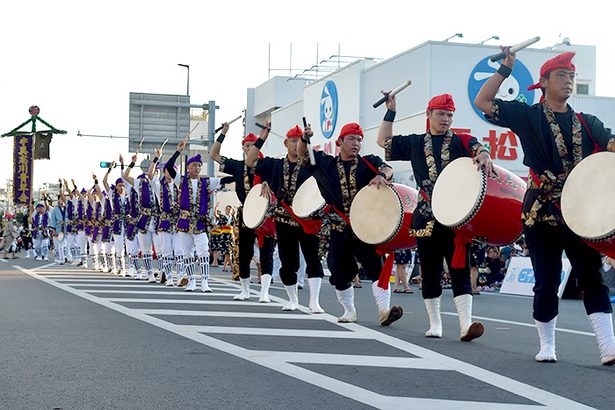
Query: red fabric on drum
[385,273]
[307,228]
[460,256]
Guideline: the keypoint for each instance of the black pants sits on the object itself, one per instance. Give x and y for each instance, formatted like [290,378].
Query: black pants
[546,244]
[344,251]
[247,237]
[289,240]
[434,250]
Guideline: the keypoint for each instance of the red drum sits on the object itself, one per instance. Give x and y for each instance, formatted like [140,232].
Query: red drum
[309,205]
[258,211]
[475,206]
[588,201]
[383,216]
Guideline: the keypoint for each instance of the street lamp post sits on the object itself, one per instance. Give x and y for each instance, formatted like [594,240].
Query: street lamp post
[490,38]
[188,80]
[460,35]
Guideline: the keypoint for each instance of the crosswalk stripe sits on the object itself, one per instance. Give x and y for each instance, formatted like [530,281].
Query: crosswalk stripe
[255,331]
[283,365]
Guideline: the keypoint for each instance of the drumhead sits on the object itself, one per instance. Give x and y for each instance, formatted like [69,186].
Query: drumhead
[255,208]
[588,197]
[376,214]
[307,199]
[458,193]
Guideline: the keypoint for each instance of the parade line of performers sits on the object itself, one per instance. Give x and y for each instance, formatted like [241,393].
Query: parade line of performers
[122,224]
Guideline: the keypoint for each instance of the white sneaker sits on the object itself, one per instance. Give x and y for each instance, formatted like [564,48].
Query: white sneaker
[191,285]
[169,283]
[39,258]
[245,290]
[151,278]
[46,258]
[205,286]
[293,302]
[139,276]
[75,262]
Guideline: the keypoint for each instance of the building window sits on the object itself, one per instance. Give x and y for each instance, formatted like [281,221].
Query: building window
[583,89]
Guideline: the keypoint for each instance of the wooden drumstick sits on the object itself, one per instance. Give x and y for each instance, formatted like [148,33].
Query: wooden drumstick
[140,145]
[392,93]
[309,145]
[163,144]
[515,48]
[259,125]
[229,123]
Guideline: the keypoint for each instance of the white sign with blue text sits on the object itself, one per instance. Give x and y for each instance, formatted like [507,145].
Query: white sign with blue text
[520,279]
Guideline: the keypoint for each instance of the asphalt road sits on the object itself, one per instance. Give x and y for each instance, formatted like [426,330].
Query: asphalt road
[76,339]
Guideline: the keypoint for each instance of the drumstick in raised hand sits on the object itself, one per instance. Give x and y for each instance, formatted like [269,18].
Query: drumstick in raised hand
[309,145]
[229,123]
[259,125]
[140,144]
[515,48]
[392,93]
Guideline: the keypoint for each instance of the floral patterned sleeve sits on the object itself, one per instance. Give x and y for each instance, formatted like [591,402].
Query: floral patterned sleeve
[398,147]
[508,114]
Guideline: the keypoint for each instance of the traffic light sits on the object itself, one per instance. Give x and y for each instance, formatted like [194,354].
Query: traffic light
[105,164]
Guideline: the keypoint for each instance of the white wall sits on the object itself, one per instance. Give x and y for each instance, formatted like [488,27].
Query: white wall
[282,120]
[348,84]
[434,68]
[411,65]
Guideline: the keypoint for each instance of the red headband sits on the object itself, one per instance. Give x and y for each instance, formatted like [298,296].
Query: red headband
[441,102]
[249,138]
[351,128]
[561,61]
[295,132]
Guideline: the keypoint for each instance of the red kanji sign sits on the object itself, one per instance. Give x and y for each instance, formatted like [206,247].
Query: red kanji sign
[498,145]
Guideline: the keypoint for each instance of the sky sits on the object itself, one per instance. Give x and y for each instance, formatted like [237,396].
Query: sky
[78,61]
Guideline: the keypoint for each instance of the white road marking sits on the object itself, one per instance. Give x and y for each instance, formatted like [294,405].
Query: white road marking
[354,360]
[262,331]
[356,393]
[244,315]
[511,322]
[166,292]
[191,302]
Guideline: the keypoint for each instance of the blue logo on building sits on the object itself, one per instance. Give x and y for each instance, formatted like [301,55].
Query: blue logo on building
[513,88]
[328,109]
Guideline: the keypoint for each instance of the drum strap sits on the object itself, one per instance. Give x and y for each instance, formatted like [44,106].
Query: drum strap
[370,165]
[310,230]
[337,211]
[423,194]
[596,146]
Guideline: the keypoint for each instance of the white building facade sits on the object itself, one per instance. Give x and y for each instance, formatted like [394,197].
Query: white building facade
[434,68]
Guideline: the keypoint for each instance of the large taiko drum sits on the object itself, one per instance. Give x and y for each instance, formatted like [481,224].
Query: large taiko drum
[488,209]
[383,216]
[308,204]
[258,211]
[588,201]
